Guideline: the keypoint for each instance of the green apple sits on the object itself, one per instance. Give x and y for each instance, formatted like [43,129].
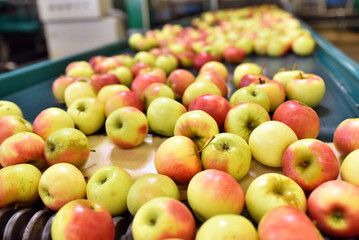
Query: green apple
[350,168]
[286,76]
[156,90]
[9,108]
[148,187]
[123,99]
[167,62]
[179,80]
[271,190]
[227,152]
[197,125]
[243,118]
[250,94]
[18,185]
[127,127]
[79,69]
[88,114]
[126,59]
[163,217]
[212,192]
[268,142]
[108,91]
[123,74]
[197,89]
[278,46]
[78,90]
[83,219]
[23,147]
[145,57]
[67,145]
[60,184]
[246,44]
[227,226]
[181,165]
[51,119]
[303,45]
[162,115]
[243,69]
[214,66]
[109,186]
[11,124]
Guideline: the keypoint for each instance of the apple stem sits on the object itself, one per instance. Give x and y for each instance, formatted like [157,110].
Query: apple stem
[301,75]
[92,150]
[294,66]
[206,144]
[261,81]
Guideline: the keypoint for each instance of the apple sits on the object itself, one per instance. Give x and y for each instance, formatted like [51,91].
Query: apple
[245,43]
[346,136]
[227,152]
[148,187]
[109,186]
[250,94]
[186,58]
[233,54]
[281,222]
[216,79]
[179,80]
[278,46]
[272,190]
[181,165]
[124,75]
[98,81]
[197,89]
[141,82]
[197,125]
[126,59]
[155,71]
[163,218]
[106,64]
[308,88]
[88,114]
[302,119]
[214,66]
[162,115]
[268,142]
[334,207]
[94,60]
[18,185]
[79,69]
[126,127]
[260,46]
[78,90]
[51,119]
[67,145]
[156,90]
[304,45]
[60,184]
[123,99]
[167,62]
[23,147]
[107,91]
[145,57]
[310,162]
[274,90]
[243,69]
[227,226]
[11,124]
[59,85]
[216,106]
[350,168]
[243,118]
[286,76]
[202,58]
[9,108]
[212,192]
[82,219]
[137,67]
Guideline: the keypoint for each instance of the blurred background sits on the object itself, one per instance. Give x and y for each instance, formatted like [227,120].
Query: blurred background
[36,30]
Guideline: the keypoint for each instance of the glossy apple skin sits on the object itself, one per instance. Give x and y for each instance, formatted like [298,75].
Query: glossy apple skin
[107,64]
[137,67]
[98,81]
[163,218]
[310,162]
[23,147]
[179,80]
[243,118]
[286,76]
[82,219]
[214,66]
[11,124]
[334,207]
[216,79]
[214,105]
[108,91]
[212,192]
[141,82]
[127,127]
[51,119]
[156,90]
[245,68]
[197,89]
[227,226]
[248,79]
[148,187]
[60,184]
[346,136]
[282,222]
[18,185]
[350,168]
[303,120]
[250,94]
[59,85]
[234,54]
[202,58]
[182,165]
[123,99]
[9,108]
[309,89]
[271,190]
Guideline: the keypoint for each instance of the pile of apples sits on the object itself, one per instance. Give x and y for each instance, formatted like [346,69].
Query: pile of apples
[230,35]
